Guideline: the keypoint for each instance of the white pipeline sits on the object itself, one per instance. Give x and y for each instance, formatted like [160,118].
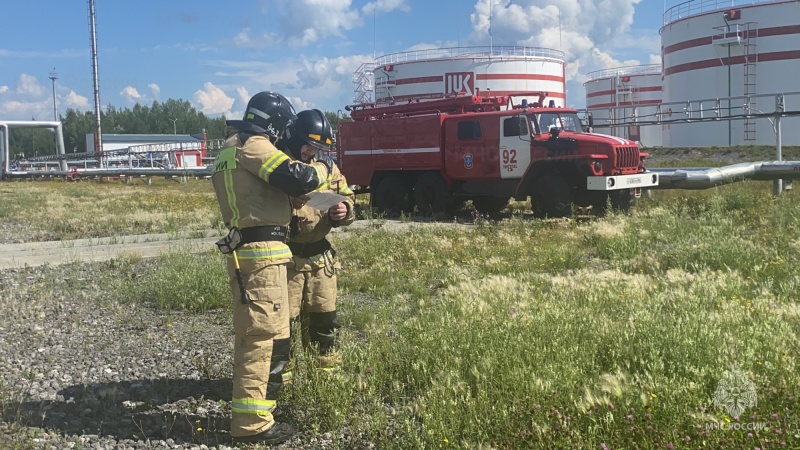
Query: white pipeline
[704,178]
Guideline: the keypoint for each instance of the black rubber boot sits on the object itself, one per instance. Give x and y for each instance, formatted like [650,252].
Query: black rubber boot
[322,330]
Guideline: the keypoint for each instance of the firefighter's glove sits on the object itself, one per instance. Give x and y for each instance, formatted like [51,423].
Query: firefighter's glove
[325,159]
[230,242]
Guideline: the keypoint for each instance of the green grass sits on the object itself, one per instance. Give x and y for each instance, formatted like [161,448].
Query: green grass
[57,210]
[183,279]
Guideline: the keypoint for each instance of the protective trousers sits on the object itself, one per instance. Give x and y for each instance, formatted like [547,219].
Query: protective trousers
[262,344]
[312,295]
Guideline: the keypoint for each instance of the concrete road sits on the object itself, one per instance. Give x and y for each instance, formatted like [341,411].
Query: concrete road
[98,249]
[145,245]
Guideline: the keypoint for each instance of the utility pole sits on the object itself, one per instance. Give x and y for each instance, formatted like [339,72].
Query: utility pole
[98,138]
[54,77]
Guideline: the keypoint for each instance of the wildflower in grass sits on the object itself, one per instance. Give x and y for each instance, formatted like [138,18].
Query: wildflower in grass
[603,446]
[750,435]
[445,440]
[670,446]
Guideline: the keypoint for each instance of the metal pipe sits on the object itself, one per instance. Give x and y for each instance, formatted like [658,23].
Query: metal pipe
[62,163]
[5,155]
[704,178]
[135,172]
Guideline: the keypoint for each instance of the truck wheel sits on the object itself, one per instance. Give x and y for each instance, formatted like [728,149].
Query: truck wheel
[551,197]
[489,205]
[392,195]
[432,195]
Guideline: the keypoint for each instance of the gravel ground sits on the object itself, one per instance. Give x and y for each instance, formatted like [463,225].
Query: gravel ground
[83,371]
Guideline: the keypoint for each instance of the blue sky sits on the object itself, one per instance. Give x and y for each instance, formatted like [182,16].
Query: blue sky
[217,54]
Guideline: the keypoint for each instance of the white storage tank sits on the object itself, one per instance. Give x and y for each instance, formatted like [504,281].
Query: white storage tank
[624,95]
[727,49]
[438,73]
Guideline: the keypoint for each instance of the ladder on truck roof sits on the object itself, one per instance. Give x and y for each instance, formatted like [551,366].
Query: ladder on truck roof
[452,105]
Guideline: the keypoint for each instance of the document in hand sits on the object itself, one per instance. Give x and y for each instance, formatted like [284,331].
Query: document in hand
[324,200]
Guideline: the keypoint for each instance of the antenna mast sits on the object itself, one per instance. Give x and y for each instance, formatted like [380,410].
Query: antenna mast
[98,139]
[54,77]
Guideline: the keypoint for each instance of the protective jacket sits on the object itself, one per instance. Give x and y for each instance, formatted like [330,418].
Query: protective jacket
[310,226]
[251,179]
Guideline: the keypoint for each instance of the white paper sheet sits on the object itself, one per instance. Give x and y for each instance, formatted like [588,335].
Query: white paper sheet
[324,200]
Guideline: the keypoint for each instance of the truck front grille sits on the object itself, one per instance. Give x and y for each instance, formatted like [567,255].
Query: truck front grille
[627,157]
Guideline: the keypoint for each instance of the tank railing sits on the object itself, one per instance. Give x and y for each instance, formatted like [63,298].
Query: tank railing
[694,7]
[645,69]
[708,110]
[703,110]
[470,52]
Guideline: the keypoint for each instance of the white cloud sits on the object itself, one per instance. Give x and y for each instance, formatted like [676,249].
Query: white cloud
[28,85]
[329,72]
[385,6]
[300,104]
[244,96]
[25,110]
[3,89]
[303,22]
[76,101]
[248,39]
[130,94]
[579,28]
[308,21]
[154,89]
[212,100]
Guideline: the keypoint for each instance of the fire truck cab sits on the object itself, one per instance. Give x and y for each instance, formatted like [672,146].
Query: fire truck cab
[436,154]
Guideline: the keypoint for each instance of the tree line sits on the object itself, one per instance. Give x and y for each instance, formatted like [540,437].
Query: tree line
[169,117]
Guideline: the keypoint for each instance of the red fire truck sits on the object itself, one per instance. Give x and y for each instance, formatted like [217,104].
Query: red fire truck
[436,154]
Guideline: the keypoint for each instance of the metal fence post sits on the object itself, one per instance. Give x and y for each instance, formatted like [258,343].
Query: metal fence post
[779,109]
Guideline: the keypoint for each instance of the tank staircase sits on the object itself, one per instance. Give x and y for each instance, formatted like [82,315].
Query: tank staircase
[627,96]
[743,35]
[363,83]
[749,75]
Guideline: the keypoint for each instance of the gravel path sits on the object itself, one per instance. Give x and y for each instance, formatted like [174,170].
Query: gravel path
[84,371]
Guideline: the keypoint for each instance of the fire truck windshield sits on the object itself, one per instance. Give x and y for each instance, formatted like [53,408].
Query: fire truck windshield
[566,121]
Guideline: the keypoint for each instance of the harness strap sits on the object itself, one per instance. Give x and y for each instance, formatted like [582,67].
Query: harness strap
[264,233]
[310,249]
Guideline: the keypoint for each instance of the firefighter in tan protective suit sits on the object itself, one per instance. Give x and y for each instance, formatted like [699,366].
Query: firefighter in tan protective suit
[253,181]
[312,273]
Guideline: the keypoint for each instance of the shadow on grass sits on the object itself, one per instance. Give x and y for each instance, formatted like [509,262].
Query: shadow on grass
[184,410]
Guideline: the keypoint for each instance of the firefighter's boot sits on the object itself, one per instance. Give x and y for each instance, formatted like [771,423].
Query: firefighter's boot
[322,334]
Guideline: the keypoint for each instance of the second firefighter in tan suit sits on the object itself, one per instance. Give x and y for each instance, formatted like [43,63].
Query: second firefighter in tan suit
[312,272]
